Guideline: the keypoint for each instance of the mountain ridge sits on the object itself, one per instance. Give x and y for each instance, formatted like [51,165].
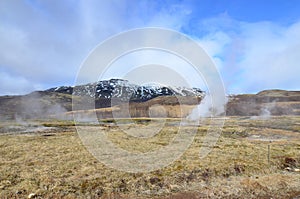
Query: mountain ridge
[40,104]
[59,99]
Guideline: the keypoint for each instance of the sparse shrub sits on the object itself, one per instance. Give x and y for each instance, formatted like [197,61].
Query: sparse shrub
[290,162]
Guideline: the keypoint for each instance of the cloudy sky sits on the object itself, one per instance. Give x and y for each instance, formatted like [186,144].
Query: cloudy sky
[255,44]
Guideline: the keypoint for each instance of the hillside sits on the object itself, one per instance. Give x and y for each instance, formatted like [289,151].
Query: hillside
[265,103]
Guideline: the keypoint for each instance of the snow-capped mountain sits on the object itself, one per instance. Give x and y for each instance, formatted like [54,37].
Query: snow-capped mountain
[124,91]
[107,93]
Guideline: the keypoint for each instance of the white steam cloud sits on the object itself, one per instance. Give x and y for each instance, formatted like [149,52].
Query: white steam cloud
[207,109]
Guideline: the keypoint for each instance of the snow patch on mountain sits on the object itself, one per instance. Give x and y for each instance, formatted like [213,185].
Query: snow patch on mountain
[123,90]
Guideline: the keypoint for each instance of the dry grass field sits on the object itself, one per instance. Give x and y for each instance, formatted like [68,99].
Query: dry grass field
[253,158]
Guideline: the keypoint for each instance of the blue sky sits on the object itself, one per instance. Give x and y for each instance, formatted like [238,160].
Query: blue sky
[255,44]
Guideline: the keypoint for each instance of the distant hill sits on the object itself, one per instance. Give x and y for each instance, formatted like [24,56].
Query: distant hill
[265,103]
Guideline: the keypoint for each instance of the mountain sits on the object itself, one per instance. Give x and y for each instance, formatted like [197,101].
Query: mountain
[123,90]
[57,100]
[142,101]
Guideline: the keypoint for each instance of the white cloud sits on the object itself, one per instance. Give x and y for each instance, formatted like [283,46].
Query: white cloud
[155,66]
[254,56]
[11,85]
[46,42]
[43,43]
[215,45]
[173,17]
[270,59]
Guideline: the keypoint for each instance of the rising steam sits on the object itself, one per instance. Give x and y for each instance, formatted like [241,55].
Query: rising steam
[207,109]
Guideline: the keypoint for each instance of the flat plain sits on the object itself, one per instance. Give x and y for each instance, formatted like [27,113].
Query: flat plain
[253,158]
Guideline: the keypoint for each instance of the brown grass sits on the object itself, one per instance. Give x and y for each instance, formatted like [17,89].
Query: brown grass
[59,166]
